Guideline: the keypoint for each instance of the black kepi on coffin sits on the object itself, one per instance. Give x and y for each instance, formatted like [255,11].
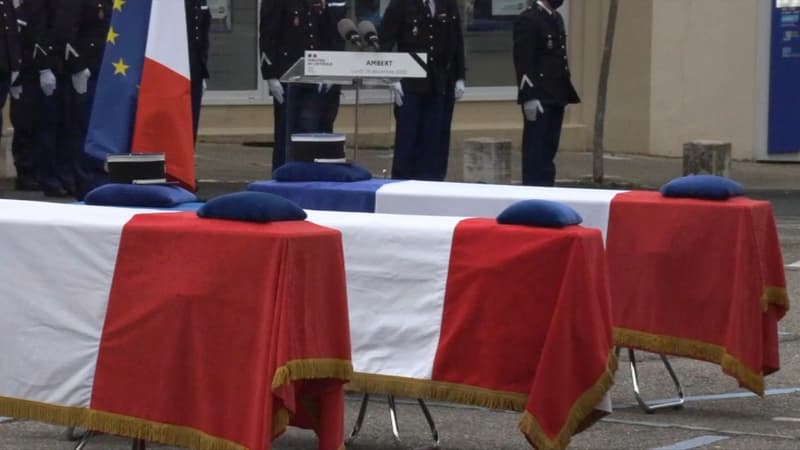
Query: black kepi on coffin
[317,147]
[136,168]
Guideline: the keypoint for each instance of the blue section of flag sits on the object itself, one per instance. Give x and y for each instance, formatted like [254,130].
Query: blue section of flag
[356,196]
[114,108]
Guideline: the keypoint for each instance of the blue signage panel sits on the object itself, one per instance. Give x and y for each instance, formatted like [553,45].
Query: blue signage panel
[784,89]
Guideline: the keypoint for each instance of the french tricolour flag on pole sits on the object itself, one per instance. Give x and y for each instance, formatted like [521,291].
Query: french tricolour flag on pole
[143,100]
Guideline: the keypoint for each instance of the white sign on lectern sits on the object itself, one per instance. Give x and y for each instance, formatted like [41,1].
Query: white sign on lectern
[365,64]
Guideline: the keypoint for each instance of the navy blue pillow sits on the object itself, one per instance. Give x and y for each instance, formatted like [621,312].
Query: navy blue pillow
[251,207]
[144,195]
[539,213]
[711,187]
[309,171]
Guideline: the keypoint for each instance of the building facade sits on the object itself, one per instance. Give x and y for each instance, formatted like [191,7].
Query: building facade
[681,70]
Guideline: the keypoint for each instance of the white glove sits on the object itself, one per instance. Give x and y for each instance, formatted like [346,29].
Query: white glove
[205,85]
[532,108]
[47,81]
[459,92]
[275,89]
[15,91]
[397,89]
[80,81]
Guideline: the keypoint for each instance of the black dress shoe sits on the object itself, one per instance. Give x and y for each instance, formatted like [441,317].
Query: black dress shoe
[56,192]
[26,184]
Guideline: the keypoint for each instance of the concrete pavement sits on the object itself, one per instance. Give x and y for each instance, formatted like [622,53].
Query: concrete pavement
[719,415]
[251,161]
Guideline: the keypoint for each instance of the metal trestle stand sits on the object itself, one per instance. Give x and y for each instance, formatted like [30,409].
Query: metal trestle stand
[393,420]
[676,403]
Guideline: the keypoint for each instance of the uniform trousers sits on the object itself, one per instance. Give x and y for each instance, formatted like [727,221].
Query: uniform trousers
[422,137]
[197,100]
[62,134]
[57,137]
[540,139]
[26,118]
[88,172]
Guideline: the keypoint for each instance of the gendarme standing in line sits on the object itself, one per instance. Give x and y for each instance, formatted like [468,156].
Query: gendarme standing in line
[545,89]
[424,106]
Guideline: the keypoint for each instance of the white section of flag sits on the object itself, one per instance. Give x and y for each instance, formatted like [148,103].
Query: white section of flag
[488,200]
[167,43]
[58,262]
[396,276]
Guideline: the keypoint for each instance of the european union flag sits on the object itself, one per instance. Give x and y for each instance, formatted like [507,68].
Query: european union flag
[115,102]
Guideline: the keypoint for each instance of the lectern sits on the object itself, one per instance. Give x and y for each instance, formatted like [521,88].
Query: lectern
[357,69]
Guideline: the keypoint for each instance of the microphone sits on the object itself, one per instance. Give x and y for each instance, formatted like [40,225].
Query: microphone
[368,32]
[348,32]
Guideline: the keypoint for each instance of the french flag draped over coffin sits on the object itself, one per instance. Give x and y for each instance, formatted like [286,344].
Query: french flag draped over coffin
[143,101]
[158,326]
[474,312]
[675,274]
[460,310]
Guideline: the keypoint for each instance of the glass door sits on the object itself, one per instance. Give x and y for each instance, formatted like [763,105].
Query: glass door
[233,56]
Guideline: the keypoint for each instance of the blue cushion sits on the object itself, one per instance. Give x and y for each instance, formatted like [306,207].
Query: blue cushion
[539,213]
[251,207]
[308,171]
[710,187]
[143,195]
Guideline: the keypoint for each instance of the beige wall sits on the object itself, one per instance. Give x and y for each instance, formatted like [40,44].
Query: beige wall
[628,100]
[629,96]
[681,70]
[703,74]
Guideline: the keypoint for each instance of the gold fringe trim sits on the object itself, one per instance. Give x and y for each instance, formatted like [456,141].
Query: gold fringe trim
[581,416]
[310,369]
[775,296]
[436,390]
[114,424]
[280,421]
[172,434]
[305,369]
[692,349]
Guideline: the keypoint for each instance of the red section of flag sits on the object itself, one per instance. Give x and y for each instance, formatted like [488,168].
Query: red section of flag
[528,310]
[164,121]
[698,271]
[203,312]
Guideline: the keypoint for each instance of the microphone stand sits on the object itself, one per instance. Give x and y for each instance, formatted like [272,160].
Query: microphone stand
[357,85]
